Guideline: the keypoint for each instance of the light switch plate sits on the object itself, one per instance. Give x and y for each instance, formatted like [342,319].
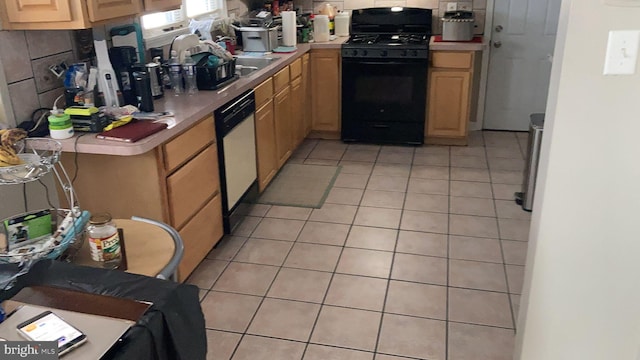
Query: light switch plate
[452,6]
[622,52]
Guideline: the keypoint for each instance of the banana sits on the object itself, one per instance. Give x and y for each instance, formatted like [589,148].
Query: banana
[8,155]
[10,137]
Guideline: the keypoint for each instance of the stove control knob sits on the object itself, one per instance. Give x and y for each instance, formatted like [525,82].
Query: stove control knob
[383,53]
[414,53]
[364,52]
[403,53]
[354,52]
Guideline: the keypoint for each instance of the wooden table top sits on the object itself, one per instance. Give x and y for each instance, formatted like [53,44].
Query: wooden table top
[149,248]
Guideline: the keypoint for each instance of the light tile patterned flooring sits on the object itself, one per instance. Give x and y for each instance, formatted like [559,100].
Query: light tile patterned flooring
[417,253]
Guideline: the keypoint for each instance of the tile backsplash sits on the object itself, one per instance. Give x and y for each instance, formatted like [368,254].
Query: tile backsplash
[26,67]
[438,7]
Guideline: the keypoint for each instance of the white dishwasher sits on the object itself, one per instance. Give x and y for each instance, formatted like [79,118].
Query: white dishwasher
[236,137]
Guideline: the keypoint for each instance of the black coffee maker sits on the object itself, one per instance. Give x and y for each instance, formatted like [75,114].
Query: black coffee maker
[123,59]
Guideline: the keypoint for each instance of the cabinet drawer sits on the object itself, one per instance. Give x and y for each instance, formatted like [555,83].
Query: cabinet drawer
[281,79]
[263,92]
[200,235]
[192,185]
[181,148]
[451,59]
[295,68]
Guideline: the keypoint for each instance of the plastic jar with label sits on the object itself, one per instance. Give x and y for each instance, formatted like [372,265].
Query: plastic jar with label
[104,240]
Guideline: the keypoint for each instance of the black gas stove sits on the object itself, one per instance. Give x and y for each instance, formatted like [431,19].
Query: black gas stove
[384,75]
[389,32]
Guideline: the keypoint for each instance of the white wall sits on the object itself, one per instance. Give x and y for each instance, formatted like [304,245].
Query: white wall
[582,282]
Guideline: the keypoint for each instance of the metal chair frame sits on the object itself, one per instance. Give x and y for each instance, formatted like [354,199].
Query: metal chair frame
[170,271]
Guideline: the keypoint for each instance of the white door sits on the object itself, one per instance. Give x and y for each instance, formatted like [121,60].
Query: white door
[523,37]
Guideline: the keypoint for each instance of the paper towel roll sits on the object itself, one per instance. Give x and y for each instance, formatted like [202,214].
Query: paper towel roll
[288,28]
[321,28]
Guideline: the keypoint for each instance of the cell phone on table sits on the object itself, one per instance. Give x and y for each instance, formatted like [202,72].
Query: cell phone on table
[48,326]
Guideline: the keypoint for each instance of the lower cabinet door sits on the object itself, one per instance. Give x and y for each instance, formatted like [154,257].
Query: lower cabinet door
[297,111]
[189,187]
[200,235]
[448,103]
[282,110]
[266,145]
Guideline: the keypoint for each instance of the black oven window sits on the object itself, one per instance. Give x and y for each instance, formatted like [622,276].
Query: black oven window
[384,89]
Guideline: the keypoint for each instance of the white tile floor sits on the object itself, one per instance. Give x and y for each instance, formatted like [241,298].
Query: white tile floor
[417,253]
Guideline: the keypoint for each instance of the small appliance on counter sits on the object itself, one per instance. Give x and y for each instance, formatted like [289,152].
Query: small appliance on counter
[259,38]
[123,59]
[457,25]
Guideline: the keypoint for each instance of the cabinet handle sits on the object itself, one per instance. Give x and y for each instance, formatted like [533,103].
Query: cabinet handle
[497,44]
[499,28]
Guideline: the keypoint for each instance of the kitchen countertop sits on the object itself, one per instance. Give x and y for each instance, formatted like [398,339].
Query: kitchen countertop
[188,109]
[458,46]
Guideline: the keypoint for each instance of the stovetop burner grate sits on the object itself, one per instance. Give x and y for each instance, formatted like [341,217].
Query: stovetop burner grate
[397,39]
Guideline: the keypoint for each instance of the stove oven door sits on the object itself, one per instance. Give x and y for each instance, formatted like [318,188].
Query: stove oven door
[384,100]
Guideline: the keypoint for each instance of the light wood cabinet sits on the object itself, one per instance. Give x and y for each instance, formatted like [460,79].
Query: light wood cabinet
[306,86]
[266,145]
[325,87]
[451,104]
[177,183]
[161,5]
[280,127]
[24,11]
[100,10]
[74,14]
[283,120]
[297,111]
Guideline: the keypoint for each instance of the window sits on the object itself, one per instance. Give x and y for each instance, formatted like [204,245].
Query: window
[200,7]
[162,27]
[163,19]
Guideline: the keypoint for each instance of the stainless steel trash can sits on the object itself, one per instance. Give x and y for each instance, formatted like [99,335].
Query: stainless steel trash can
[536,126]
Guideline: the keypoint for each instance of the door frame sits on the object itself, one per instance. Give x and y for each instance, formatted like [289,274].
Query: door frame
[484,68]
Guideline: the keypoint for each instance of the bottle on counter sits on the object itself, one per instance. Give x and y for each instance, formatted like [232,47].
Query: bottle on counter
[175,73]
[104,240]
[321,31]
[189,73]
[330,11]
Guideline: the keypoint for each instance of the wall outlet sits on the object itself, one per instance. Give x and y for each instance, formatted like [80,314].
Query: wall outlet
[452,6]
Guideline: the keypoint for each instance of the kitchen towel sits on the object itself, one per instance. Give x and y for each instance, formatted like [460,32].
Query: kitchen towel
[288,28]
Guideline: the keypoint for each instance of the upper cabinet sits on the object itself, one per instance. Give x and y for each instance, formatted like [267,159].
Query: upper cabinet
[24,11]
[101,10]
[73,14]
[161,5]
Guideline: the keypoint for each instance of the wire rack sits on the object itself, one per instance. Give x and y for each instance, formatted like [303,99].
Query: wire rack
[41,156]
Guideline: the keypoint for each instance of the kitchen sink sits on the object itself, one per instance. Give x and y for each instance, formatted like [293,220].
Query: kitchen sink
[245,65]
